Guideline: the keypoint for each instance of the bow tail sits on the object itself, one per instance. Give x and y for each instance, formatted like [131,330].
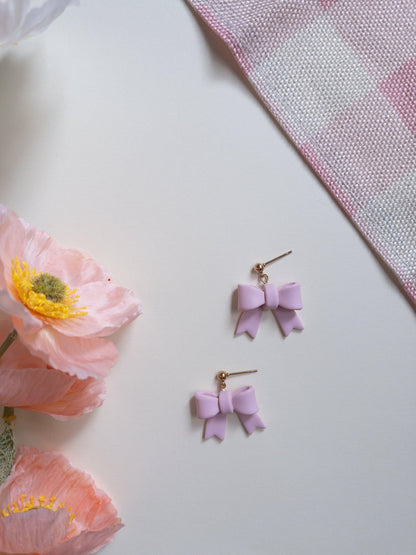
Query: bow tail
[251,422]
[288,320]
[215,426]
[249,322]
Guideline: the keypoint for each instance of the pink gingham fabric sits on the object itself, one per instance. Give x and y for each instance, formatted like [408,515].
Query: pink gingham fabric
[339,76]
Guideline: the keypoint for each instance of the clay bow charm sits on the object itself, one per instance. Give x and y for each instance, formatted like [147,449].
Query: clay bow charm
[282,301]
[214,408]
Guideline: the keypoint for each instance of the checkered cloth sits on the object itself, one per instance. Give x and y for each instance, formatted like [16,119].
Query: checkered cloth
[339,76]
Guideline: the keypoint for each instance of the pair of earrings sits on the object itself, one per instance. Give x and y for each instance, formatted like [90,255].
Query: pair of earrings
[283,301]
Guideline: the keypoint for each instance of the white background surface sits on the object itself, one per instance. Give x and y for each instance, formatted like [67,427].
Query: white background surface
[128,133]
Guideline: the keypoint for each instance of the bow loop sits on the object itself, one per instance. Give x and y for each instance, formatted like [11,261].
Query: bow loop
[206,404]
[249,297]
[244,400]
[290,296]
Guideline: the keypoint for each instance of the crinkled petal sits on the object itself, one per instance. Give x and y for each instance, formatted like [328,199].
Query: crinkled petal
[109,308]
[74,267]
[78,356]
[86,542]
[35,531]
[50,391]
[81,398]
[15,308]
[31,387]
[12,241]
[27,383]
[17,356]
[50,474]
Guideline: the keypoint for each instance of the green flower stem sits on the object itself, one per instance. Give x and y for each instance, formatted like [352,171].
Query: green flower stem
[8,414]
[7,342]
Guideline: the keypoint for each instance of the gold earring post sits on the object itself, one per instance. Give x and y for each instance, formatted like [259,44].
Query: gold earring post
[259,267]
[222,376]
[277,258]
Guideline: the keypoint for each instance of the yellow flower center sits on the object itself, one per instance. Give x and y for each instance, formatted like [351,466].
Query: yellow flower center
[23,506]
[45,293]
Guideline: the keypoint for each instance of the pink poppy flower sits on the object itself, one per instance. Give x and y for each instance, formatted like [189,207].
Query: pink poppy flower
[48,507]
[61,302]
[27,382]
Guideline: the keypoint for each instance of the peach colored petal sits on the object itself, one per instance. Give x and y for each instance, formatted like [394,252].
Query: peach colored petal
[72,266]
[50,391]
[15,308]
[86,542]
[17,355]
[109,308]
[12,236]
[50,474]
[33,387]
[35,531]
[12,242]
[82,397]
[78,356]
[26,382]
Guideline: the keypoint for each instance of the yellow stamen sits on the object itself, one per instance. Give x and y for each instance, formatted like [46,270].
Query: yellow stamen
[51,502]
[44,293]
[22,507]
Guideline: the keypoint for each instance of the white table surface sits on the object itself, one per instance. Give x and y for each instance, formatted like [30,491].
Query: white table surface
[128,132]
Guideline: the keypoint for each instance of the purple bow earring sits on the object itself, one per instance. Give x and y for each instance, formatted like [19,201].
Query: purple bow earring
[213,408]
[282,301]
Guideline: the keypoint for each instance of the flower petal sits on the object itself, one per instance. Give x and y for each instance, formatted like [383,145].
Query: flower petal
[86,542]
[31,387]
[11,17]
[109,307]
[26,382]
[78,356]
[50,474]
[34,531]
[12,238]
[74,267]
[81,398]
[20,313]
[38,19]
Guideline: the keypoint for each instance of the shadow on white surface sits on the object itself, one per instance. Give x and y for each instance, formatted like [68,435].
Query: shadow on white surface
[21,114]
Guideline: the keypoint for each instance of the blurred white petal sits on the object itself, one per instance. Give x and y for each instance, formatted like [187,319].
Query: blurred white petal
[20,19]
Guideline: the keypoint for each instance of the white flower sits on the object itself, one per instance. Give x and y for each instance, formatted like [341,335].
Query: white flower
[20,19]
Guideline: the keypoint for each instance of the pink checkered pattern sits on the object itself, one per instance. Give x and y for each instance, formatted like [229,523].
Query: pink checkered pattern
[340,78]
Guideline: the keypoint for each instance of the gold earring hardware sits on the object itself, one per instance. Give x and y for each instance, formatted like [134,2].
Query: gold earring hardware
[260,266]
[222,376]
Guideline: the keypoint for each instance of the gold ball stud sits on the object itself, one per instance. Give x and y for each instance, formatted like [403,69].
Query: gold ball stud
[259,268]
[222,376]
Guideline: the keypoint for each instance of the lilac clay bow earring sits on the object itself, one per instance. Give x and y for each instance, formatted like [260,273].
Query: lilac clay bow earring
[282,301]
[213,408]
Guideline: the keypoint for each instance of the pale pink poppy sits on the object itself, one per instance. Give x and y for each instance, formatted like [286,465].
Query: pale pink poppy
[27,382]
[61,302]
[48,507]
